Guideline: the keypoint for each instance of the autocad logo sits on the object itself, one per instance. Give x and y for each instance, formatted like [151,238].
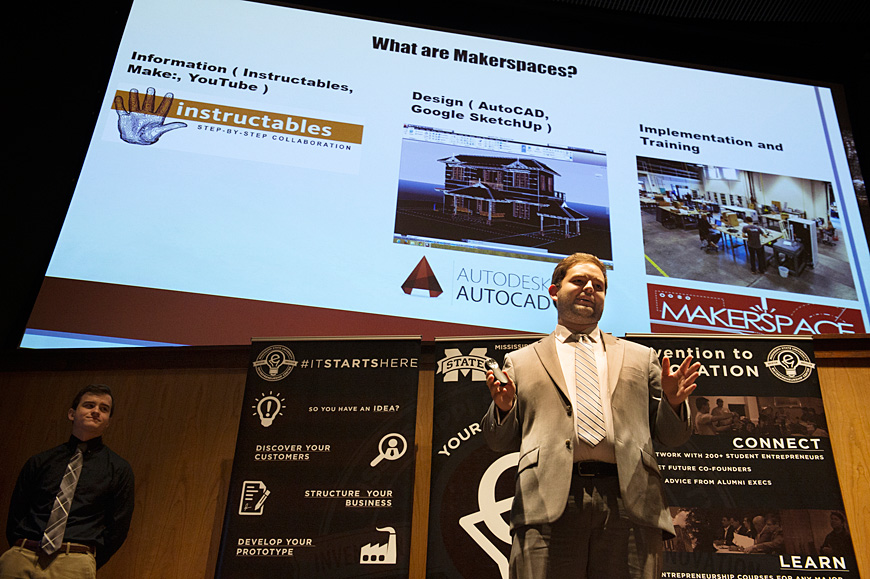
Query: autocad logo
[422,279]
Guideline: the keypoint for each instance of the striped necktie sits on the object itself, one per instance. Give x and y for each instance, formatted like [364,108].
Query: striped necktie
[54,530]
[590,415]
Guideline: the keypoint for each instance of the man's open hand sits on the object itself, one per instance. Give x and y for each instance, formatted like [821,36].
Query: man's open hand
[677,386]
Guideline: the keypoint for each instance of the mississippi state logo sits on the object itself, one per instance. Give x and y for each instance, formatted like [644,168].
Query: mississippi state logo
[789,364]
[455,363]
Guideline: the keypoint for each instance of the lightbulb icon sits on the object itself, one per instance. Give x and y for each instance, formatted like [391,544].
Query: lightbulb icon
[274,361]
[790,363]
[268,408]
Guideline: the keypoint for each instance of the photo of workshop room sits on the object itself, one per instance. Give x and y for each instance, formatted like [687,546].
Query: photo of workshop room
[734,227]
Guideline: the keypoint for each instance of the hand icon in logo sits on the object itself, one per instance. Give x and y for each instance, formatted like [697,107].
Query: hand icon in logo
[143,125]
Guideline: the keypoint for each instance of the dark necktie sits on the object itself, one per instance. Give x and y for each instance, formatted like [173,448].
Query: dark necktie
[54,530]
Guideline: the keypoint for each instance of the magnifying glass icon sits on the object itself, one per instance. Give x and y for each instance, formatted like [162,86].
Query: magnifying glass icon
[391,447]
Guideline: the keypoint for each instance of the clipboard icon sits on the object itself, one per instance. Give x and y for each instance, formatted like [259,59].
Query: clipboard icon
[254,494]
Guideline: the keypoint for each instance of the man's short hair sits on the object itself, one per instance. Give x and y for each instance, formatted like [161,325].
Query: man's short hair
[757,520]
[700,402]
[94,389]
[574,259]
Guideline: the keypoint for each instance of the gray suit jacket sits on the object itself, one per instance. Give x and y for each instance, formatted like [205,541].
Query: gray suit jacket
[541,426]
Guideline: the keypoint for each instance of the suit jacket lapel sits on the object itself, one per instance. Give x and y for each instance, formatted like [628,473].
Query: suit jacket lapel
[615,351]
[546,350]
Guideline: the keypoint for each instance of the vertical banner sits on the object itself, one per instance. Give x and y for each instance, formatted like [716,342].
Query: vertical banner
[322,480]
[472,487]
[754,493]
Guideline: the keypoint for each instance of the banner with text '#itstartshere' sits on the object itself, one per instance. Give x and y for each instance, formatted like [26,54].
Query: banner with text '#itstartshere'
[472,486]
[754,492]
[322,481]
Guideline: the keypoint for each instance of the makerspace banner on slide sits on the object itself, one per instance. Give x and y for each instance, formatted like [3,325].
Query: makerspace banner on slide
[754,493]
[472,486]
[322,481]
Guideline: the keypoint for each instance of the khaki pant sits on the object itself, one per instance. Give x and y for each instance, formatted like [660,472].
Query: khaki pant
[21,563]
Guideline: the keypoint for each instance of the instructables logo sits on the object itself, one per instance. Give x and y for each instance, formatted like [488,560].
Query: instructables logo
[144,122]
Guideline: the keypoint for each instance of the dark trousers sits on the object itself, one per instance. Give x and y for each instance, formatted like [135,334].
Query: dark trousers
[756,258]
[591,540]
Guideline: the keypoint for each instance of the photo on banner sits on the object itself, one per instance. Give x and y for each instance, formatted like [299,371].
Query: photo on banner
[322,480]
[755,489]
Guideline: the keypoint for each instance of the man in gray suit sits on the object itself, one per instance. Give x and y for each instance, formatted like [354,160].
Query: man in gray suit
[589,500]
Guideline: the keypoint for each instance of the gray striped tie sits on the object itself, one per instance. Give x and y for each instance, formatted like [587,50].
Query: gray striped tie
[590,415]
[54,530]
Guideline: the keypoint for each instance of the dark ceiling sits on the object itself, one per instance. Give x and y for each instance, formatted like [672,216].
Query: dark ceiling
[806,11]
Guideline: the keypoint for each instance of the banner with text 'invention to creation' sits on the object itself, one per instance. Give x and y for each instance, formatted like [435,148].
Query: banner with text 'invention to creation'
[324,465]
[753,493]
[755,490]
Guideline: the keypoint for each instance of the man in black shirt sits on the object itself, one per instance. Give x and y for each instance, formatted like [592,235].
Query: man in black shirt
[102,503]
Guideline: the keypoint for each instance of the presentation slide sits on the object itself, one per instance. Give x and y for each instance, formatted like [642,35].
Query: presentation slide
[259,170]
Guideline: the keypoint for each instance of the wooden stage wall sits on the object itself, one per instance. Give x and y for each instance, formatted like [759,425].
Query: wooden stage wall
[178,412]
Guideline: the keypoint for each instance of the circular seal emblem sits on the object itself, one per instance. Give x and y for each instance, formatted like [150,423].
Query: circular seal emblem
[275,363]
[789,364]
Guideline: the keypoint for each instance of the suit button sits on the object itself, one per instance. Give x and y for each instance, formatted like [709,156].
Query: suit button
[568,444]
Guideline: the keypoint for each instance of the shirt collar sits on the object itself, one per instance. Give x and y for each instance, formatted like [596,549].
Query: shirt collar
[563,334]
[91,445]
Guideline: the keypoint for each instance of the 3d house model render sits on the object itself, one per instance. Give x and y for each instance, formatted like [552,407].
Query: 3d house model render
[508,189]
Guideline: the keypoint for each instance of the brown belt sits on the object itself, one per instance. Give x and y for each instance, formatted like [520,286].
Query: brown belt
[32,545]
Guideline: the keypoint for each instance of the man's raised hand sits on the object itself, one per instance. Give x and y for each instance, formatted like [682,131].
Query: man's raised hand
[678,385]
